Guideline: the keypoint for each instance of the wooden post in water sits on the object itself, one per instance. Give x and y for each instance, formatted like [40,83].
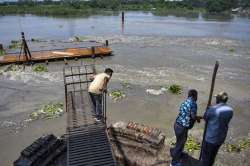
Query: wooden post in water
[93,56]
[93,52]
[1,47]
[123,17]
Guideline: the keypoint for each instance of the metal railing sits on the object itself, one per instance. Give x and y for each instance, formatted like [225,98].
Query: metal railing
[87,140]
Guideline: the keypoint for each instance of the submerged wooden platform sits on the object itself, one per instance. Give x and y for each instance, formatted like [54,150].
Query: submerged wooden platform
[57,54]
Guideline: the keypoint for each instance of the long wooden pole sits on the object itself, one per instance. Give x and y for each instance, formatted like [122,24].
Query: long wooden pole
[216,66]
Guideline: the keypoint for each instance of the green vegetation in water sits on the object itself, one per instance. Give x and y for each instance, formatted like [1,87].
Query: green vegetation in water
[240,146]
[14,44]
[175,89]
[40,68]
[117,95]
[48,111]
[35,40]
[125,84]
[231,50]
[2,52]
[13,68]
[192,145]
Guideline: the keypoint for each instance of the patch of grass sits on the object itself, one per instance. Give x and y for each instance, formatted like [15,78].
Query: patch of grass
[48,111]
[2,52]
[175,89]
[231,50]
[117,95]
[40,68]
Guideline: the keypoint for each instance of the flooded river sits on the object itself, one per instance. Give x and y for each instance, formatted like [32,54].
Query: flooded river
[136,23]
[150,52]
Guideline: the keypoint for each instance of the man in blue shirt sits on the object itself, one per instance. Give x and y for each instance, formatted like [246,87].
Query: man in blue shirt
[217,118]
[184,121]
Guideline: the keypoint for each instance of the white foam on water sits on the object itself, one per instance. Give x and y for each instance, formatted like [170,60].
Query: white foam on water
[30,77]
[143,76]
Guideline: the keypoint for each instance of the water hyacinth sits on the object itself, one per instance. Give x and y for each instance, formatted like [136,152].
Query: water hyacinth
[40,68]
[192,145]
[125,84]
[117,95]
[48,111]
[175,89]
[240,146]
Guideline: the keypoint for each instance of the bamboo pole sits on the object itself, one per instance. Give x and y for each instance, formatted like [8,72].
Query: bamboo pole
[216,66]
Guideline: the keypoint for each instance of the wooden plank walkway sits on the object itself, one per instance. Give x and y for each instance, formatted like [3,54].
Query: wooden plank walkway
[57,54]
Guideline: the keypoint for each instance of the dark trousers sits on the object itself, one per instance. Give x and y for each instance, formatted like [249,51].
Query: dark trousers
[97,103]
[181,134]
[209,152]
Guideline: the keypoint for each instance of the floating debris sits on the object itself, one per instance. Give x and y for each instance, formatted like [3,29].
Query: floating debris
[49,111]
[8,124]
[117,95]
[156,92]
[78,39]
[40,68]
[175,89]
[13,68]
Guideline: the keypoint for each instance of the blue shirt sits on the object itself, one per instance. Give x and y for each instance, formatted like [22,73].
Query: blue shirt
[217,118]
[188,111]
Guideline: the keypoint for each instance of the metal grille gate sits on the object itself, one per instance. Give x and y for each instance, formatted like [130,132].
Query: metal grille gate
[87,140]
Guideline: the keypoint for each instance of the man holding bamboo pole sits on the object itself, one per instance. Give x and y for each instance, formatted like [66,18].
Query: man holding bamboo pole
[217,118]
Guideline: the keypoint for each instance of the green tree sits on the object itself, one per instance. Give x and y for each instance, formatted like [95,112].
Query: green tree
[220,5]
[245,3]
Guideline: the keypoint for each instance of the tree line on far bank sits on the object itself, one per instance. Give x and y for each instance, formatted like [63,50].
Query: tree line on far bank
[211,6]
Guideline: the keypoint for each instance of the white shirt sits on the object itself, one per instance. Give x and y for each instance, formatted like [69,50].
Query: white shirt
[98,83]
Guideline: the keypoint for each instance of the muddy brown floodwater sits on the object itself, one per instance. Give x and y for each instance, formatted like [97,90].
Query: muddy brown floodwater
[144,62]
